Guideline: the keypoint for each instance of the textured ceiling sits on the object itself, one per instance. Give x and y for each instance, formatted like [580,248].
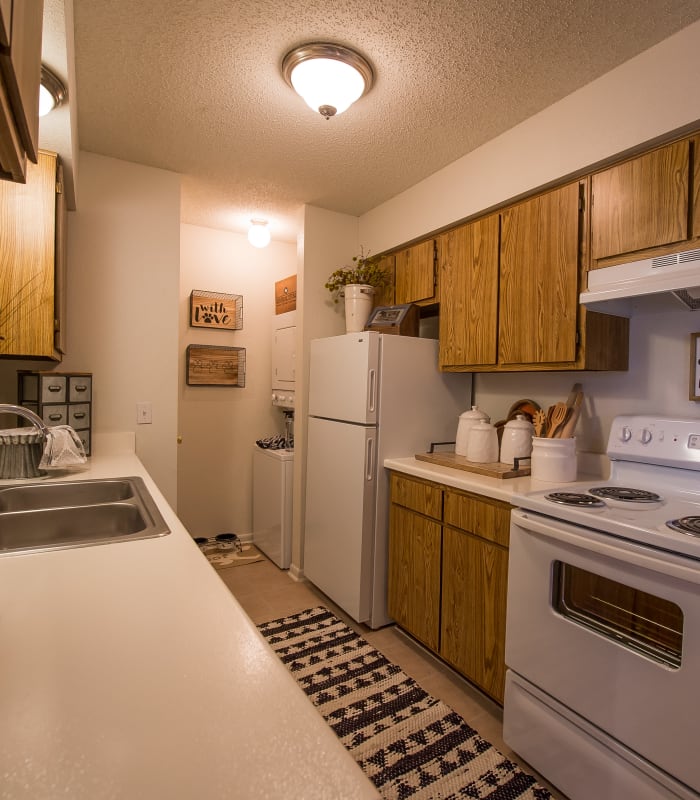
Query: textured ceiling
[194,86]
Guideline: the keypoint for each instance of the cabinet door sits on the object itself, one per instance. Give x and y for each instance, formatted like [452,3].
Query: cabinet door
[385,296]
[417,495]
[27,240]
[641,203]
[473,628]
[20,75]
[415,273]
[483,516]
[468,264]
[414,574]
[695,233]
[539,279]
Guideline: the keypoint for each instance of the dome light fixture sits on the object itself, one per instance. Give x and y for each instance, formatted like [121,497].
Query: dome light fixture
[52,92]
[258,233]
[329,77]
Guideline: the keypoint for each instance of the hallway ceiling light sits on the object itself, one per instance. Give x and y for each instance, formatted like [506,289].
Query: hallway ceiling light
[52,92]
[258,233]
[329,77]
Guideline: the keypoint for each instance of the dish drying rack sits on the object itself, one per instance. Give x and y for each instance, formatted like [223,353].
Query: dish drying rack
[21,449]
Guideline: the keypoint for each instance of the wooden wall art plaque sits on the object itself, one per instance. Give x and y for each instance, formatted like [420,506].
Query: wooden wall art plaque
[286,295]
[216,310]
[214,365]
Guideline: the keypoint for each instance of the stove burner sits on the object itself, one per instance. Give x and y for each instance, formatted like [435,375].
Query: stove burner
[689,525]
[625,495]
[575,499]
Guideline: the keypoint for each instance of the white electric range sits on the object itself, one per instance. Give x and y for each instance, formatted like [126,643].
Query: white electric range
[603,625]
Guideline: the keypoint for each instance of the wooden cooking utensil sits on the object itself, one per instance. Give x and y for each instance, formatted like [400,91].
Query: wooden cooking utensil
[567,430]
[539,420]
[571,399]
[556,419]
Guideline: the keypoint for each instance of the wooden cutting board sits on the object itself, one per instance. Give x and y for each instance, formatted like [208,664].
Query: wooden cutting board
[492,470]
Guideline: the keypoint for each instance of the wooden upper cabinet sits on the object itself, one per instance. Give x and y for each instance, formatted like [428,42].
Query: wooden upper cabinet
[468,287]
[20,77]
[385,296]
[695,144]
[539,279]
[640,204]
[28,262]
[415,274]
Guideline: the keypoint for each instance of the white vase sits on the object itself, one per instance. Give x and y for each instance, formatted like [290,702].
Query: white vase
[358,306]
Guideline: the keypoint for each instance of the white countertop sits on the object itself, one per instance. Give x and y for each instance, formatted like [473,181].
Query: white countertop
[130,671]
[591,466]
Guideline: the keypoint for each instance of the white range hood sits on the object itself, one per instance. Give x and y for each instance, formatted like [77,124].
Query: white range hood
[672,278]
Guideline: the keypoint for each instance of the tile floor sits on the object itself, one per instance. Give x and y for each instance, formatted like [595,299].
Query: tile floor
[266,592]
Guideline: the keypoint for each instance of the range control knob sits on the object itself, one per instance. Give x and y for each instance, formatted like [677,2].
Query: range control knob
[645,436]
[625,434]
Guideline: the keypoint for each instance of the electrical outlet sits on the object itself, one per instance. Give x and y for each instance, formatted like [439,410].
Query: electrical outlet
[144,414]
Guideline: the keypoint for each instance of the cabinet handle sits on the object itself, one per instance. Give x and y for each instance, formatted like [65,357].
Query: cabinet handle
[80,388]
[79,415]
[55,387]
[54,417]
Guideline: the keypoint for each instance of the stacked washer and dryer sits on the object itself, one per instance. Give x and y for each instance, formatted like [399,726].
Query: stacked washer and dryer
[273,468]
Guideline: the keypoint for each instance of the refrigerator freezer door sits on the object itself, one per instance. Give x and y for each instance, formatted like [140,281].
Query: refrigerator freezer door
[343,377]
[340,499]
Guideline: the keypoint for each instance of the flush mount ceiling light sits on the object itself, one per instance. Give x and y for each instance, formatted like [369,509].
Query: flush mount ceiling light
[258,233]
[52,92]
[329,77]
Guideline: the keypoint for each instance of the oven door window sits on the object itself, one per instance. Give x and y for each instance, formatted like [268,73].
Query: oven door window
[639,621]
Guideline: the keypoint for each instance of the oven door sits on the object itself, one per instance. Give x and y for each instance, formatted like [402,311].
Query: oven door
[611,630]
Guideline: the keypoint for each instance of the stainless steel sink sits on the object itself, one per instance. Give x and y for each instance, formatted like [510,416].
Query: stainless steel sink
[46,516]
[34,496]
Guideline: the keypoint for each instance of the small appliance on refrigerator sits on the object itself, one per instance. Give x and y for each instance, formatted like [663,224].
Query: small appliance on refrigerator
[372,396]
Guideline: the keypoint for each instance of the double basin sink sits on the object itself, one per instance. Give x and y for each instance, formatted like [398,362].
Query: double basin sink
[48,516]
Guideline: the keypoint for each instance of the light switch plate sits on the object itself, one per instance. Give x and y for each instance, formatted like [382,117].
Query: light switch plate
[144,414]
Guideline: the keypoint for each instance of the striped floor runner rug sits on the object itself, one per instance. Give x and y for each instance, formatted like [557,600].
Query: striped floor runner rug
[408,743]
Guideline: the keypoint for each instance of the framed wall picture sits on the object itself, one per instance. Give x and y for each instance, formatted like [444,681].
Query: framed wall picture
[216,310]
[286,295]
[214,365]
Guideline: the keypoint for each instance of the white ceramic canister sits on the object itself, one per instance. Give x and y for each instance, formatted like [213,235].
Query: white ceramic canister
[466,420]
[359,299]
[482,447]
[554,460]
[516,441]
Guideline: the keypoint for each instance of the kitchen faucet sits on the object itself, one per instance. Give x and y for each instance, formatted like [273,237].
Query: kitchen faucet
[21,411]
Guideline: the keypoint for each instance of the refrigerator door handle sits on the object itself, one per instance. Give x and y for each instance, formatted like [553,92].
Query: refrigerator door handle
[369,460]
[372,391]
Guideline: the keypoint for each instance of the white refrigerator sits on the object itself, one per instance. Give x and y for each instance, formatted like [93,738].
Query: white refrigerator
[371,396]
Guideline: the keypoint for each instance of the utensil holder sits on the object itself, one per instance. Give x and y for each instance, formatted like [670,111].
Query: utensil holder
[553,460]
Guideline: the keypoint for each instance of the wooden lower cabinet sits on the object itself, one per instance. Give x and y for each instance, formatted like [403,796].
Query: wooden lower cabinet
[448,575]
[414,574]
[473,618]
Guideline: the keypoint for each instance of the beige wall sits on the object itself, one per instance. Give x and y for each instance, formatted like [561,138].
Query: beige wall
[645,98]
[219,425]
[123,262]
[328,240]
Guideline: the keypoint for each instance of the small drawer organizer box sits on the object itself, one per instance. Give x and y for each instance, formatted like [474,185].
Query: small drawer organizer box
[59,398]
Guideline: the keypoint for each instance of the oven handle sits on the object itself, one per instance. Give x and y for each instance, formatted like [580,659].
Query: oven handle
[610,546]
